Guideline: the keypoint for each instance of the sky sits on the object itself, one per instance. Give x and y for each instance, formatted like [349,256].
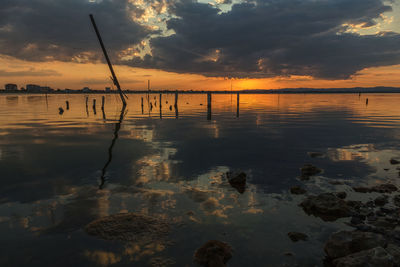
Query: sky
[201,45]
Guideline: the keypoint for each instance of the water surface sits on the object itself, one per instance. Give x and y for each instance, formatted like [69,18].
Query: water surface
[170,163]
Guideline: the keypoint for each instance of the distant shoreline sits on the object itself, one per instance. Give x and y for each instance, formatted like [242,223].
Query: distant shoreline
[373,90]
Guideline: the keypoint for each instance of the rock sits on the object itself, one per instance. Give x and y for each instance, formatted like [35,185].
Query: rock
[396,200]
[128,227]
[334,182]
[370,204]
[362,189]
[309,170]
[60,110]
[394,161]
[237,181]
[297,190]
[213,253]
[343,243]
[384,223]
[382,188]
[355,220]
[316,154]
[395,252]
[328,206]
[377,256]
[341,195]
[296,236]
[381,200]
[289,254]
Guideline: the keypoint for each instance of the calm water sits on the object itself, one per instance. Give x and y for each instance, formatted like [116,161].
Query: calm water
[172,165]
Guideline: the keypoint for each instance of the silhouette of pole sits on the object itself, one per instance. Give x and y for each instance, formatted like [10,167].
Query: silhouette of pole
[176,105]
[237,106]
[102,107]
[114,77]
[160,106]
[94,106]
[209,106]
[87,110]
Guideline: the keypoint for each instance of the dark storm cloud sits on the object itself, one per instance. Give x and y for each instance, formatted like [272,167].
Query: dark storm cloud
[266,38]
[42,30]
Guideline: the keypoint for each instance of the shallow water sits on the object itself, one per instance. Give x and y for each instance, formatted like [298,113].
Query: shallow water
[171,164]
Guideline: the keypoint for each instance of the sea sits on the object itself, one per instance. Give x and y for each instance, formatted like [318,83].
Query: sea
[66,161]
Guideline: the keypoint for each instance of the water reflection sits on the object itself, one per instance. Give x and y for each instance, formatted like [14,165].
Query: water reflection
[176,169]
[110,149]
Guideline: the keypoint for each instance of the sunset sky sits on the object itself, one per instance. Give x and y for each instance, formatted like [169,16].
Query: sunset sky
[201,45]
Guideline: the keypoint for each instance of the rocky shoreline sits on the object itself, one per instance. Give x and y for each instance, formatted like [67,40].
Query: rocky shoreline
[375,239]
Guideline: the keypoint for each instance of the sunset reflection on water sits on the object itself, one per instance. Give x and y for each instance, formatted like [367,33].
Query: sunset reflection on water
[173,167]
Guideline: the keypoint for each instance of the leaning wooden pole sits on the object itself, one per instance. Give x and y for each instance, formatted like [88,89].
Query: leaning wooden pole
[114,77]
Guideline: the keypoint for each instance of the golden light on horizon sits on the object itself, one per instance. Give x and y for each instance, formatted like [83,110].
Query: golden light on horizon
[62,75]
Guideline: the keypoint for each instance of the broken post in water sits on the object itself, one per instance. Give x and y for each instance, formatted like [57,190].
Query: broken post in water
[160,106]
[208,106]
[67,104]
[102,102]
[94,106]
[176,99]
[237,106]
[114,77]
[176,105]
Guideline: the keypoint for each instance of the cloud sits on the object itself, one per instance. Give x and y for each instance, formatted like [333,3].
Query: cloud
[31,73]
[254,38]
[268,38]
[46,30]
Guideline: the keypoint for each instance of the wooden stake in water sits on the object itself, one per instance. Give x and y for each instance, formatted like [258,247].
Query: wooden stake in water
[176,105]
[160,106]
[67,104]
[94,106]
[102,102]
[237,106]
[208,106]
[114,77]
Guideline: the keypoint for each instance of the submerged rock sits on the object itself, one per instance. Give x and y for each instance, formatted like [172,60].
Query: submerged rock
[381,200]
[394,161]
[128,227]
[237,181]
[377,256]
[382,188]
[297,190]
[316,154]
[396,200]
[213,253]
[341,195]
[335,182]
[296,236]
[309,170]
[343,243]
[328,206]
